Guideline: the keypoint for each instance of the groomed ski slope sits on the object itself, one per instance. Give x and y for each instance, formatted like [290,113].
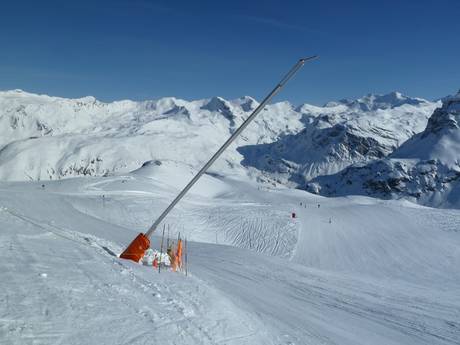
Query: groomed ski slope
[353,271]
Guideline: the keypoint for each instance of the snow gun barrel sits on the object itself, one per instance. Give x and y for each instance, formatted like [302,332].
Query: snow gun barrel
[135,251]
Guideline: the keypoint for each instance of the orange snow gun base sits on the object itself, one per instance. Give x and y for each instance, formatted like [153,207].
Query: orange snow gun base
[137,248]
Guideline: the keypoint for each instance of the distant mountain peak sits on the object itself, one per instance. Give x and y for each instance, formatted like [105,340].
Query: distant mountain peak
[246,103]
[445,118]
[220,105]
[372,101]
[216,104]
[452,103]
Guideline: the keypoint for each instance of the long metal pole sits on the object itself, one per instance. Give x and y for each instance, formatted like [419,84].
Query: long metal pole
[251,117]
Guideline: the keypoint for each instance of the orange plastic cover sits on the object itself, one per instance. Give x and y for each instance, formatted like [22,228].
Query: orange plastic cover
[137,248]
[179,253]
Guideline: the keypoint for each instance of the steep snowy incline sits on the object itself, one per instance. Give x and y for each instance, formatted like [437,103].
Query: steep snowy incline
[425,169]
[352,271]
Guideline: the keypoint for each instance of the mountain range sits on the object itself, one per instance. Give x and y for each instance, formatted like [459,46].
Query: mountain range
[388,146]
[425,169]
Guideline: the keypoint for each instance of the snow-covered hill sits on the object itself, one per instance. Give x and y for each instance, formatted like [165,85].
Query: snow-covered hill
[355,271]
[44,137]
[425,169]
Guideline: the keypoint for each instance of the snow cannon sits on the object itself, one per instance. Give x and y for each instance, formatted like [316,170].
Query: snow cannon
[137,248]
[141,243]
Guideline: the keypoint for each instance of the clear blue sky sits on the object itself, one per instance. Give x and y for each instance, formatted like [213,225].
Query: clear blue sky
[140,49]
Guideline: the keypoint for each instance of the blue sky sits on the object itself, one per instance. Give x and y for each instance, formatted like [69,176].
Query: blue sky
[142,49]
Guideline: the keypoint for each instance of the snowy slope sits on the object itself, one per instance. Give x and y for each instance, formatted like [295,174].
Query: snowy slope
[352,271]
[43,137]
[424,169]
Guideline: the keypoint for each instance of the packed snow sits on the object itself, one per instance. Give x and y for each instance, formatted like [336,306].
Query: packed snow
[351,270]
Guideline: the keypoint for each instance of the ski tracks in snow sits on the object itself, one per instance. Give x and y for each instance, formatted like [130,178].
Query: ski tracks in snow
[72,290]
[320,307]
[257,227]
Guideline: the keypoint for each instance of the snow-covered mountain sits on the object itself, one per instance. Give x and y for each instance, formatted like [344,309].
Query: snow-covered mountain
[425,169]
[340,134]
[43,137]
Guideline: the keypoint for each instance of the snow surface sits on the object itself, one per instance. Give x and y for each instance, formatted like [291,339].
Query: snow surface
[354,270]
